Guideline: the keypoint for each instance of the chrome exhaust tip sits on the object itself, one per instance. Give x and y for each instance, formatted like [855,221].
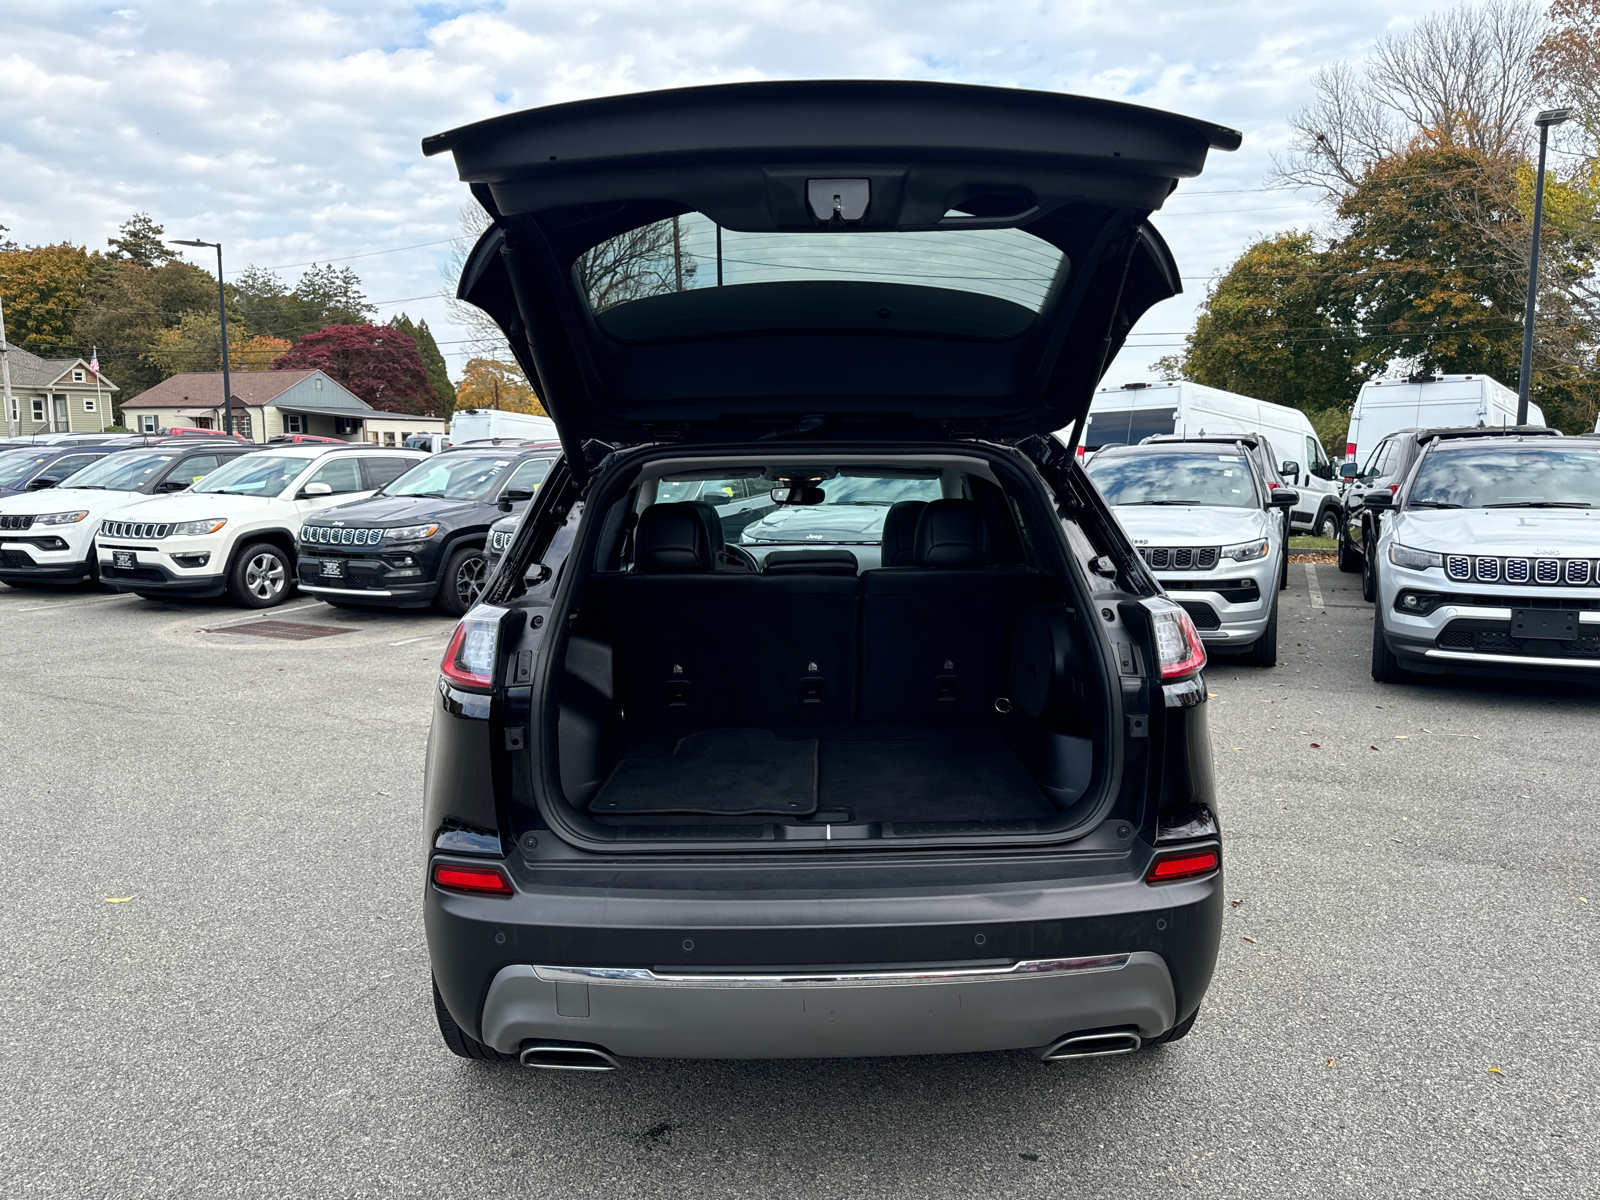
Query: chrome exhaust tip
[566,1056]
[1097,1044]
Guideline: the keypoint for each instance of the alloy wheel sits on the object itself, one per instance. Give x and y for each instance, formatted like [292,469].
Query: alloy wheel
[471,576]
[265,576]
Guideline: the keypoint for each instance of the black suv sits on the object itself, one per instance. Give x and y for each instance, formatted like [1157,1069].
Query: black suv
[421,539]
[1387,467]
[692,799]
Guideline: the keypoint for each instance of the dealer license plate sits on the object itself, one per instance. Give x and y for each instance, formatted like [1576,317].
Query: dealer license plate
[123,559]
[1553,624]
[332,568]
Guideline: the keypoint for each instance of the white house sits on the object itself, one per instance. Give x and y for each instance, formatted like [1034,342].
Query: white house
[56,395]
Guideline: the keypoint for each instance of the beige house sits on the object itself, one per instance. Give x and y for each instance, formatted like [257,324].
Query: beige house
[267,404]
[56,395]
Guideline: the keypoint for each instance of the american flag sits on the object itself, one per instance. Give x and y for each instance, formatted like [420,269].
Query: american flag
[94,360]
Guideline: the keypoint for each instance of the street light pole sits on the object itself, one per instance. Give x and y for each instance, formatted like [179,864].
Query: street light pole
[222,317]
[1553,116]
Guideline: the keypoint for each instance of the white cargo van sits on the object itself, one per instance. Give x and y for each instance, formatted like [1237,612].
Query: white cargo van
[1128,414]
[1429,402]
[475,424]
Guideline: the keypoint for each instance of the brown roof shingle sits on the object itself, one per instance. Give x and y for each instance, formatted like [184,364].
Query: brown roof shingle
[194,389]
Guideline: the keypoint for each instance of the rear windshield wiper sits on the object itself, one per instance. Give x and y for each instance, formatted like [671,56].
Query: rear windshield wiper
[1541,504]
[1433,504]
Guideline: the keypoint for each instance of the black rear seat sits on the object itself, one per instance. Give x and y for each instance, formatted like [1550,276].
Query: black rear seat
[696,647]
[934,635]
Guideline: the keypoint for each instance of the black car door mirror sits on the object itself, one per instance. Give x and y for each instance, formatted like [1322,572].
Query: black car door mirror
[1283,497]
[1379,498]
[512,496]
[172,485]
[1289,469]
[1349,470]
[43,481]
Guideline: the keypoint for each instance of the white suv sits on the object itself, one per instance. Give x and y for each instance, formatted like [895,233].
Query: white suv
[1486,560]
[235,530]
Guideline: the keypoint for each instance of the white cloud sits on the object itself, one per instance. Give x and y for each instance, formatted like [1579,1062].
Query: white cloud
[290,129]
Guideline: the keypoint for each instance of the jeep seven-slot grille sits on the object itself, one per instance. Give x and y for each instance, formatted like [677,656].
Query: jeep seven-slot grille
[17,521]
[1180,558]
[136,529]
[329,535]
[498,540]
[1551,572]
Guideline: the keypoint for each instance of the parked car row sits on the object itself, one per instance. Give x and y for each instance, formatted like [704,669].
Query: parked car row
[202,516]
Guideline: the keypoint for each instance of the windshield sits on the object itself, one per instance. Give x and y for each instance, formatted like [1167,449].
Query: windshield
[15,468]
[851,515]
[255,475]
[1514,476]
[690,252]
[1174,477]
[1126,427]
[451,477]
[120,472]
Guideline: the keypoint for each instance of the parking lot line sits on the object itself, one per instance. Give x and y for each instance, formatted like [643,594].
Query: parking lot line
[69,604]
[423,638]
[1313,588]
[260,614]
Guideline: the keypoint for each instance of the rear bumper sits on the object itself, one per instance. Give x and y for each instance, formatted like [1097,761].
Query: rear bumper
[643,1014]
[650,973]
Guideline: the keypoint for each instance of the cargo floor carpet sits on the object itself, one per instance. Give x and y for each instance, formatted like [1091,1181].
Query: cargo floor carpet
[728,772]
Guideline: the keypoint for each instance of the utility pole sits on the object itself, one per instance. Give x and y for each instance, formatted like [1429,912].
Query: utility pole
[1553,116]
[12,425]
[222,319]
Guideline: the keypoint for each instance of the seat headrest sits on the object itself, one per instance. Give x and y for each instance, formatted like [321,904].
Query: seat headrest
[672,539]
[708,514]
[952,533]
[900,533]
[811,562]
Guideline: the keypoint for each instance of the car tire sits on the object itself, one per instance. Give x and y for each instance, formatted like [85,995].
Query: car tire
[1283,573]
[1369,572]
[152,595]
[262,576]
[1263,651]
[1386,666]
[462,580]
[462,1044]
[1349,556]
[1327,523]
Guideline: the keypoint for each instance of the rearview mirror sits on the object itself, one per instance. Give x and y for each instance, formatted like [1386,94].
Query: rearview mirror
[42,482]
[1282,497]
[798,494]
[317,489]
[1349,470]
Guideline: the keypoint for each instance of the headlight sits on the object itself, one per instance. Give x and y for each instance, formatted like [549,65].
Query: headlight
[67,518]
[197,528]
[1417,560]
[410,533]
[1247,551]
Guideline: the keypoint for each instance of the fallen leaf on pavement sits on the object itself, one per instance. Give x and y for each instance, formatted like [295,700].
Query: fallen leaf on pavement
[1492,1070]
[1399,737]
[1236,749]
[122,899]
[1235,903]
[1314,745]
[1249,939]
[380,793]
[219,355]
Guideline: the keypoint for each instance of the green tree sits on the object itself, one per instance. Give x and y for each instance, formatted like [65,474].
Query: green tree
[324,296]
[1266,330]
[140,241]
[129,305]
[43,288]
[438,373]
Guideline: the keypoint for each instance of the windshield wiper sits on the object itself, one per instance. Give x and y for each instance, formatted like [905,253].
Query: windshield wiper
[1181,503]
[1541,504]
[418,495]
[1433,504]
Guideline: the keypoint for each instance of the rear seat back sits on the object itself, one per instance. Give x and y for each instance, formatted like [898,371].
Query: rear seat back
[934,635]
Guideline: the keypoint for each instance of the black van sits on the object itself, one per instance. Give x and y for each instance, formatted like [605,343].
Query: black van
[947,791]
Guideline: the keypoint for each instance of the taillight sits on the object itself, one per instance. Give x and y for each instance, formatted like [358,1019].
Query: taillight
[1270,484]
[1350,451]
[1186,864]
[469,658]
[1177,640]
[1394,488]
[479,881]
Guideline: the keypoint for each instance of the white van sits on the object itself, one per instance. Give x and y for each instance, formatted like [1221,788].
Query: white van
[1429,402]
[1128,414]
[476,424]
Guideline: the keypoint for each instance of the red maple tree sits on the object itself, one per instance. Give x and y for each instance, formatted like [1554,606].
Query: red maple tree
[376,362]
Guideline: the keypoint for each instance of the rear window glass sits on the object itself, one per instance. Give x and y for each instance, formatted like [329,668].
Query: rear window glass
[1127,427]
[1520,476]
[691,252]
[1173,477]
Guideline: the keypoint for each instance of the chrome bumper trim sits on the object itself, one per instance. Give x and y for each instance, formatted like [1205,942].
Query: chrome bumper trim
[328,591]
[641,977]
[1515,660]
[1474,612]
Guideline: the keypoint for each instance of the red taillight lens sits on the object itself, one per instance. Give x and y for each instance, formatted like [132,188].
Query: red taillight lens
[469,658]
[1350,451]
[1270,484]
[1191,864]
[480,881]
[1177,640]
[1394,488]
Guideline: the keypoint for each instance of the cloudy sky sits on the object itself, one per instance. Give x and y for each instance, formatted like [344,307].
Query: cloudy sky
[289,129]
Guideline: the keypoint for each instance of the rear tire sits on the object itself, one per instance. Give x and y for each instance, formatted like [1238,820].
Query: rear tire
[1386,666]
[262,576]
[1369,572]
[462,1044]
[1327,523]
[1349,556]
[1263,651]
[462,580]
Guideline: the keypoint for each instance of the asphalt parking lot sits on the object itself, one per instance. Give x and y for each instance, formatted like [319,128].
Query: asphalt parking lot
[215,979]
